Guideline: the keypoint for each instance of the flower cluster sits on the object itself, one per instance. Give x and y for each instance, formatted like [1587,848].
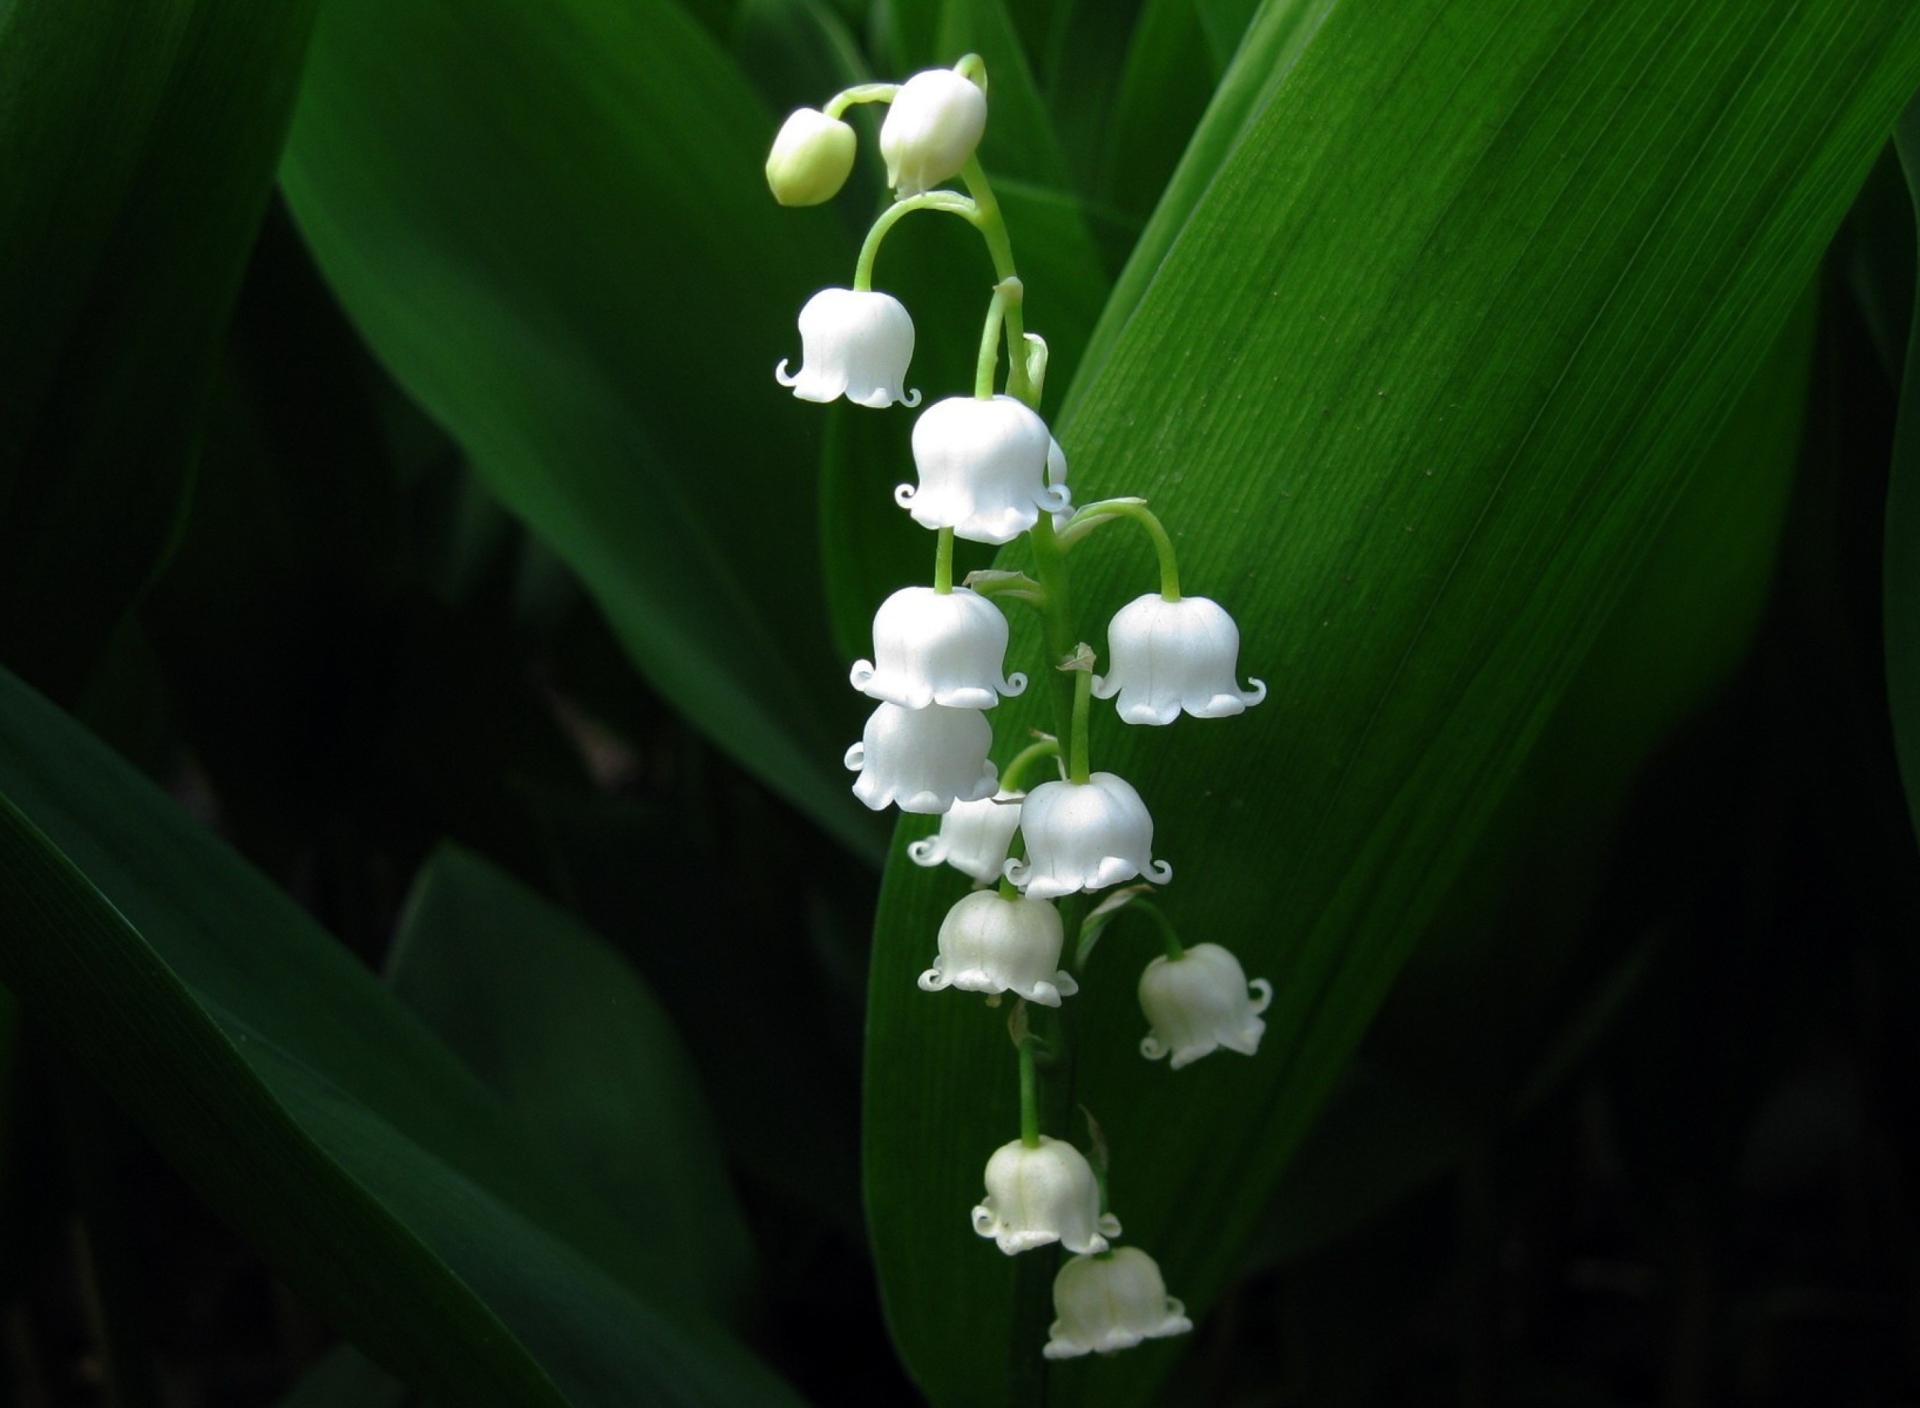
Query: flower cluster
[989,470]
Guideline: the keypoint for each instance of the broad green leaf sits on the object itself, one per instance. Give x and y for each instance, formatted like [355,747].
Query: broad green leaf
[1224,21]
[1902,552]
[570,1039]
[1499,1001]
[550,223]
[1415,385]
[138,143]
[1165,88]
[1278,35]
[313,1112]
[346,1378]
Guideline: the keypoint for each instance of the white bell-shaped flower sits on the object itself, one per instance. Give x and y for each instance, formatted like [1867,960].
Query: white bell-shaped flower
[932,127]
[983,469]
[933,647]
[1040,1195]
[1111,1301]
[923,760]
[1085,836]
[854,343]
[1200,1001]
[991,945]
[973,837]
[1174,655]
[811,158]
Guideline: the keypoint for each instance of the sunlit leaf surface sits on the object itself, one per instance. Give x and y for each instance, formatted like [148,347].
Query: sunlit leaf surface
[1416,385]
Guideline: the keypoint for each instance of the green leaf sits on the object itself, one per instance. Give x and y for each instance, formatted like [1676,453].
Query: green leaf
[1273,44]
[1902,552]
[570,1039]
[550,223]
[1502,998]
[313,1112]
[346,1378]
[139,143]
[1417,383]
[1167,84]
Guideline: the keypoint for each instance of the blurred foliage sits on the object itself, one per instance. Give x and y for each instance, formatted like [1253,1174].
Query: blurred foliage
[434,928]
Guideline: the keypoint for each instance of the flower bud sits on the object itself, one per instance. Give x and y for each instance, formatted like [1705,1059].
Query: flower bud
[1040,1195]
[992,945]
[854,343]
[983,469]
[1200,1001]
[811,158]
[935,647]
[1111,1301]
[1085,836]
[923,760]
[932,128]
[973,836]
[1174,655]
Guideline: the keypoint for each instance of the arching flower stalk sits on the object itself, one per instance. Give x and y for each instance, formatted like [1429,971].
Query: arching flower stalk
[988,469]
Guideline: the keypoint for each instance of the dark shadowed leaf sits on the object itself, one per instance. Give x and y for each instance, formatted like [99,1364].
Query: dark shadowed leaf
[315,1113]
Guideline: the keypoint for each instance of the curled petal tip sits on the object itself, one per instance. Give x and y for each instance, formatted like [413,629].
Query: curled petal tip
[861,675]
[1265,998]
[1016,684]
[1256,691]
[1159,872]
[1102,689]
[983,1220]
[926,851]
[911,399]
[856,757]
[1152,1048]
[933,980]
[1066,983]
[780,373]
[903,494]
[1055,498]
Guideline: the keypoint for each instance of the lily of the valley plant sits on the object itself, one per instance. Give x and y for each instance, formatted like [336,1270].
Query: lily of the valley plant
[988,470]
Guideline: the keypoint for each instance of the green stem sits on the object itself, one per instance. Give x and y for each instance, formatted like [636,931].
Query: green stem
[1029,1097]
[860,93]
[990,343]
[1153,911]
[1056,615]
[932,200]
[1137,510]
[993,228]
[943,563]
[1077,768]
[1025,759]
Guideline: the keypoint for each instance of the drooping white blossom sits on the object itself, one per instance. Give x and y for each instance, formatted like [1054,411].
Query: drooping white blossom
[983,469]
[854,343]
[1111,1301]
[989,944]
[1043,1194]
[973,836]
[1174,655]
[932,647]
[1085,836]
[1200,1001]
[923,760]
[932,127]
[811,158]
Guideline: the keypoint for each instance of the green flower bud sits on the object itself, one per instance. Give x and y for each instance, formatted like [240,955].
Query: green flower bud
[811,158]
